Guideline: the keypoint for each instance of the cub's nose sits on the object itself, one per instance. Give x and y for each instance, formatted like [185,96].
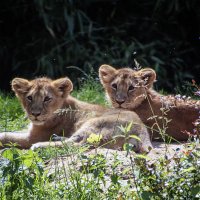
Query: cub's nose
[120,101]
[36,113]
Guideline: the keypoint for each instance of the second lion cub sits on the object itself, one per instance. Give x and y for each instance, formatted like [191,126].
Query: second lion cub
[132,90]
[52,110]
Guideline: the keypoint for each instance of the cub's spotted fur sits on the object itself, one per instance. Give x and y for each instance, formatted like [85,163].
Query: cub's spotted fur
[132,90]
[52,110]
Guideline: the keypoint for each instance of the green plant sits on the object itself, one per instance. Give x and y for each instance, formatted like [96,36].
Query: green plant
[175,178]
[22,174]
[11,114]
[73,173]
[90,91]
[126,129]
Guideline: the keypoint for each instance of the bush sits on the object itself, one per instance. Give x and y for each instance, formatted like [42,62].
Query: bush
[48,36]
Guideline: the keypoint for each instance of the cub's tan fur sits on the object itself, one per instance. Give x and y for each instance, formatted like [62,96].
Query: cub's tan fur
[52,110]
[132,90]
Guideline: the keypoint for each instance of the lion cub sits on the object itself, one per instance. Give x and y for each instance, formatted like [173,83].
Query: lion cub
[52,110]
[132,90]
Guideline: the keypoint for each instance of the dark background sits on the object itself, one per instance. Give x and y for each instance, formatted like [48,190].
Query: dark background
[45,37]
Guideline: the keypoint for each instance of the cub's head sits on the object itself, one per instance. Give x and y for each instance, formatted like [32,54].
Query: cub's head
[126,88]
[41,97]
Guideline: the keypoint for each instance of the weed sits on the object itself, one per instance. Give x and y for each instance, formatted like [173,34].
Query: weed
[22,174]
[90,91]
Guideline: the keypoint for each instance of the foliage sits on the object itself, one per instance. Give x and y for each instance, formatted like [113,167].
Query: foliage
[90,90]
[170,178]
[22,175]
[11,114]
[25,174]
[48,36]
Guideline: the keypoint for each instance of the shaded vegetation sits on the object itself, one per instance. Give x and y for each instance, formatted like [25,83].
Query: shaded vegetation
[44,37]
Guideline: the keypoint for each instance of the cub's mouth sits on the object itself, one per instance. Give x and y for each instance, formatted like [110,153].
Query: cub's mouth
[120,105]
[38,122]
[124,107]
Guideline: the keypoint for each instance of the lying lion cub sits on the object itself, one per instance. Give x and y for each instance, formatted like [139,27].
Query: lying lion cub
[53,111]
[132,90]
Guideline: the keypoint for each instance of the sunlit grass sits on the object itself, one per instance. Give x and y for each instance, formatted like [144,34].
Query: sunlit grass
[91,91]
[12,116]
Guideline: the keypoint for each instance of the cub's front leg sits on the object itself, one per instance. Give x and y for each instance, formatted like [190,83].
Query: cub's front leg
[22,139]
[49,144]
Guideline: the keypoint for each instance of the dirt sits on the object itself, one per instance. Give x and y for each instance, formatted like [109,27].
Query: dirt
[61,168]
[125,162]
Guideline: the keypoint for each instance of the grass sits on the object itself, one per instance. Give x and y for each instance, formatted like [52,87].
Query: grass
[73,173]
[11,114]
[90,91]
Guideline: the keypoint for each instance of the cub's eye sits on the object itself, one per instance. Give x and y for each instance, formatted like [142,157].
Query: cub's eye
[47,99]
[114,86]
[29,98]
[131,88]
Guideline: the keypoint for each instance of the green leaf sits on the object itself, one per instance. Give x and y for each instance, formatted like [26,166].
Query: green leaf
[142,156]
[188,170]
[146,195]
[28,158]
[128,147]
[129,126]
[135,137]
[195,190]
[10,154]
[114,178]
[122,129]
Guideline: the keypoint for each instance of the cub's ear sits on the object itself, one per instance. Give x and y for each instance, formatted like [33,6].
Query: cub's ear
[64,86]
[148,75]
[106,73]
[20,86]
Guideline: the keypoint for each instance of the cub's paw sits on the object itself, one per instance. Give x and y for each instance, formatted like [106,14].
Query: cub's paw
[55,137]
[39,145]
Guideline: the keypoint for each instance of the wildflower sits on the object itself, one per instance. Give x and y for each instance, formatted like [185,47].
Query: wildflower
[184,97]
[178,97]
[187,153]
[197,93]
[94,138]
